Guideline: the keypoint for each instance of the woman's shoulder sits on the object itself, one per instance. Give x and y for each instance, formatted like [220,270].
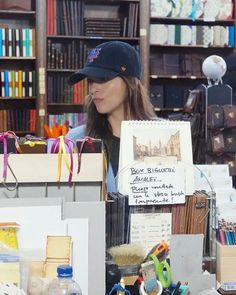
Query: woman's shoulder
[77,132]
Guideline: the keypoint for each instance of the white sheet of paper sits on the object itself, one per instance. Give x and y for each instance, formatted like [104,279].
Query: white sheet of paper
[149,229]
[37,222]
[186,256]
[153,185]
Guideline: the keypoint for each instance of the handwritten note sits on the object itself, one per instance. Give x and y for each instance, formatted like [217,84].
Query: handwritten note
[149,229]
[156,185]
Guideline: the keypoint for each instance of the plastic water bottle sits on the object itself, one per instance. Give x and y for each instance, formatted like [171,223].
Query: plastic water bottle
[64,283]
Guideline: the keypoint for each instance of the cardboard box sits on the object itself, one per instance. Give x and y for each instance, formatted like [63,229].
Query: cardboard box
[226,261]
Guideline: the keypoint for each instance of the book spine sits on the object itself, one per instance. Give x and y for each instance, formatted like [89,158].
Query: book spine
[6,83]
[23,84]
[13,83]
[30,42]
[2,84]
[20,83]
[30,83]
[24,42]
[9,42]
[9,83]
[1,42]
[17,42]
[16,84]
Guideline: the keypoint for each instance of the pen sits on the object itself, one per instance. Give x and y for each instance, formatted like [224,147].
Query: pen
[176,290]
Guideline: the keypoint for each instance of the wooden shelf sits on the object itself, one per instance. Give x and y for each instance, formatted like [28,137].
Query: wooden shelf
[17,58]
[10,13]
[61,70]
[60,108]
[193,46]
[128,39]
[174,77]
[8,103]
[166,20]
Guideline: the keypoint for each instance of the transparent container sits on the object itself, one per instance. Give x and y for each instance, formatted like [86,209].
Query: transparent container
[64,283]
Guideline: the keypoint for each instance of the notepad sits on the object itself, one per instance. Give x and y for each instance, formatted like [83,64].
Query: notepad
[155,164]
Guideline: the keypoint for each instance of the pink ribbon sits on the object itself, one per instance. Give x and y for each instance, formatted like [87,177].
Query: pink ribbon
[3,138]
[86,140]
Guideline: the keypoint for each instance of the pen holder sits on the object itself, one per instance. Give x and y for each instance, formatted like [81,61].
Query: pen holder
[143,292]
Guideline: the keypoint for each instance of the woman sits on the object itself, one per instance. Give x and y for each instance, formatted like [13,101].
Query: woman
[113,70]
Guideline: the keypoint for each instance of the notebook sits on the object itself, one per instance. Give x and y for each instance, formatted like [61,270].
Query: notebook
[155,164]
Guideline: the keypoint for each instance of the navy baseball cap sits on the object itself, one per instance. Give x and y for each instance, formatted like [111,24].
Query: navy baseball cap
[108,60]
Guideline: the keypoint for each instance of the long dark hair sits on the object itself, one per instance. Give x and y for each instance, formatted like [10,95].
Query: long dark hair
[137,107]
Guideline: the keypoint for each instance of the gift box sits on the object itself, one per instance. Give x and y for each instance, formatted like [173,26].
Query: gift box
[16,5]
[89,145]
[11,146]
[33,146]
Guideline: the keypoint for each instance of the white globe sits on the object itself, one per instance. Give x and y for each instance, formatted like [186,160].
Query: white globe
[214,68]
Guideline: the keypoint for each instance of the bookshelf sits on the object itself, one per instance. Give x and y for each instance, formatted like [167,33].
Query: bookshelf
[73,28]
[18,94]
[179,42]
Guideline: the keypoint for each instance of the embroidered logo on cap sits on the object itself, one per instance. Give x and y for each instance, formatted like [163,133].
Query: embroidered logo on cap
[123,68]
[93,54]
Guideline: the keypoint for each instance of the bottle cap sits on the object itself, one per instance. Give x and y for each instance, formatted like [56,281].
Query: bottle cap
[64,271]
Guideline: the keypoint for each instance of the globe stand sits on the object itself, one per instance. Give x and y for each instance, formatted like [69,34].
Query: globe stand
[220,94]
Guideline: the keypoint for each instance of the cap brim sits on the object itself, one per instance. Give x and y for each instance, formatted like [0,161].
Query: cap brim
[92,72]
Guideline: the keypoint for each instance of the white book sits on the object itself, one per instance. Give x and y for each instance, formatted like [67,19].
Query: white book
[216,39]
[30,83]
[16,83]
[3,83]
[171,35]
[186,35]
[17,42]
[10,42]
[158,34]
[224,36]
[23,83]
[3,42]
[194,35]
[9,83]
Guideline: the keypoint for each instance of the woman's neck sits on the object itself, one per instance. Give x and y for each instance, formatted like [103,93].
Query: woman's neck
[115,122]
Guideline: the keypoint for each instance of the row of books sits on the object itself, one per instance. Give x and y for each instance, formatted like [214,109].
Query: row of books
[108,27]
[64,17]
[185,64]
[59,91]
[163,34]
[74,119]
[69,18]
[66,55]
[17,42]
[18,120]
[208,10]
[17,83]
[226,233]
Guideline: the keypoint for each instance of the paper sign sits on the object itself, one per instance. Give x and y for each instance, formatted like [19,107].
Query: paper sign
[152,185]
[149,229]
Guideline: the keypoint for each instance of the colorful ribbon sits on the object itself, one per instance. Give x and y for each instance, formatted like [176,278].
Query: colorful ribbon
[3,138]
[86,140]
[59,146]
[118,288]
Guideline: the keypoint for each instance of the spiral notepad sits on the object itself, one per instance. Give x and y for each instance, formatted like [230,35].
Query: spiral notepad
[155,164]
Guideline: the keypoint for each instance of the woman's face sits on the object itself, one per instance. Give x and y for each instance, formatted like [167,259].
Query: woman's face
[108,96]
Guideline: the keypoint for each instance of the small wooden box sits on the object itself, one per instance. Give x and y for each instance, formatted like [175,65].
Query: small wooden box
[226,261]
[16,5]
